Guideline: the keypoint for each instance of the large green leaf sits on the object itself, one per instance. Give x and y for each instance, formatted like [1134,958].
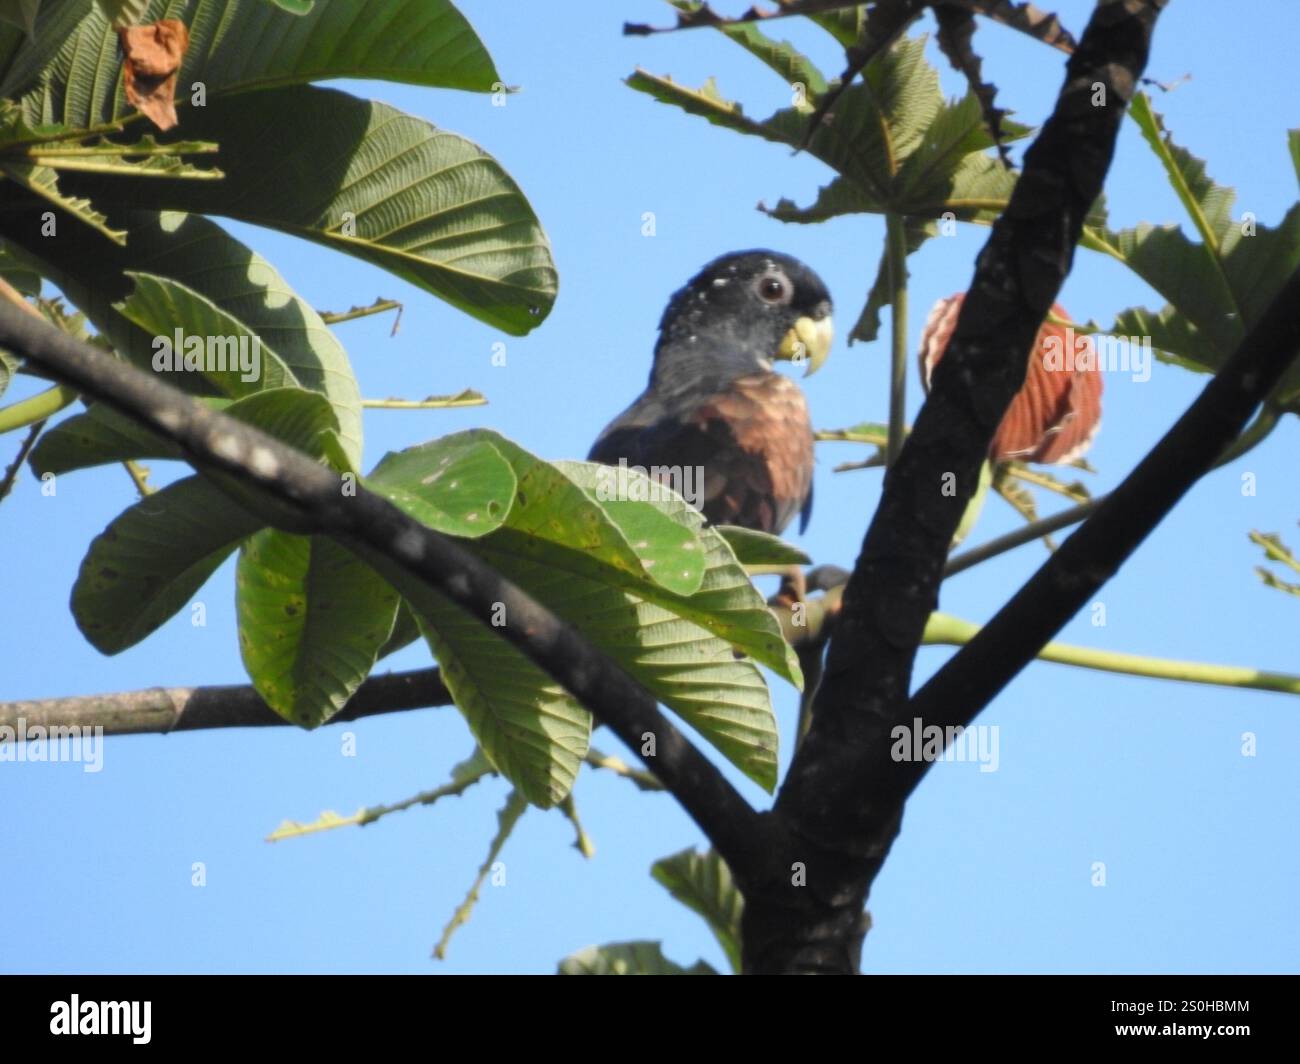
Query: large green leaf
[312,619]
[101,435]
[96,437]
[1216,289]
[586,560]
[727,604]
[532,731]
[200,255]
[702,882]
[242,45]
[468,484]
[691,671]
[618,544]
[896,146]
[362,177]
[152,558]
[229,354]
[156,554]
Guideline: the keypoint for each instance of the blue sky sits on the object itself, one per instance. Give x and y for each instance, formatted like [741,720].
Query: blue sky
[992,871]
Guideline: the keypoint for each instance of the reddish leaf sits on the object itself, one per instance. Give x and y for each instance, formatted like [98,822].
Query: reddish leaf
[152,61]
[1055,416]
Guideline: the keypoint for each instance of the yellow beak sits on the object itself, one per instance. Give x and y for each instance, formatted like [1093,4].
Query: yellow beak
[808,342]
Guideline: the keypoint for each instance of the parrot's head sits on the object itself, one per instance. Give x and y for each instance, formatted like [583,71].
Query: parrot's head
[742,313]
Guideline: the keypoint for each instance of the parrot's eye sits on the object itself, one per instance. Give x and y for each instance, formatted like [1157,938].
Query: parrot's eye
[773,290]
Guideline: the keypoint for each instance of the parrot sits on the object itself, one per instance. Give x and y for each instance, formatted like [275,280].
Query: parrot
[714,402]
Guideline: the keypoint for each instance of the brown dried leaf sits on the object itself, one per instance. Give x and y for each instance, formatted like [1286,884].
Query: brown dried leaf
[1057,412]
[152,60]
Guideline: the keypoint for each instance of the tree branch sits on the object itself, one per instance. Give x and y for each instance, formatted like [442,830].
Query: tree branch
[314,494]
[175,709]
[1018,538]
[840,808]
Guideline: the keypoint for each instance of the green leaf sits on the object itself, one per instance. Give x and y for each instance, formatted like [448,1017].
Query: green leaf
[124,12]
[670,552]
[96,437]
[727,603]
[157,553]
[586,561]
[790,64]
[43,181]
[458,485]
[531,730]
[199,255]
[950,170]
[845,24]
[358,176]
[312,619]
[26,281]
[186,325]
[21,13]
[1208,204]
[706,102]
[582,561]
[702,882]
[144,158]
[152,558]
[551,510]
[101,435]
[895,145]
[760,548]
[694,673]
[244,45]
[627,958]
[303,420]
[406,630]
[1216,290]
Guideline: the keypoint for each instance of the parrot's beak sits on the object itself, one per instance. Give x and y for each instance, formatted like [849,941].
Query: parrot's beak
[809,342]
